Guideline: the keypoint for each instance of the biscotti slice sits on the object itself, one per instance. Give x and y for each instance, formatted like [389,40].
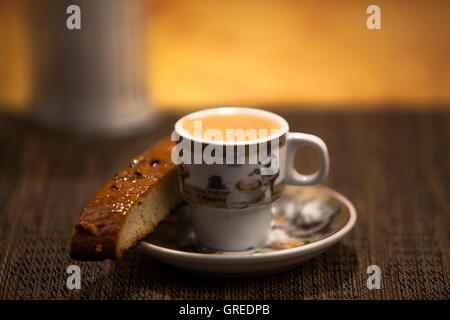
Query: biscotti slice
[128,207]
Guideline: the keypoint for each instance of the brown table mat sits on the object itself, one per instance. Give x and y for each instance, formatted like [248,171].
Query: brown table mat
[395,167]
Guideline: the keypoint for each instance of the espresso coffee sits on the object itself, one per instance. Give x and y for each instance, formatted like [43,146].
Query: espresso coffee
[232,127]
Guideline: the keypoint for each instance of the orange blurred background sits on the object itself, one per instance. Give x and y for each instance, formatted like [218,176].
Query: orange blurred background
[304,54]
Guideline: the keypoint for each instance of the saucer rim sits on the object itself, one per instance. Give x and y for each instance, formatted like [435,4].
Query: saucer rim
[153,249]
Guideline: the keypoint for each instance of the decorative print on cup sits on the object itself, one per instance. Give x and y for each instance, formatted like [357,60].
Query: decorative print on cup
[248,188]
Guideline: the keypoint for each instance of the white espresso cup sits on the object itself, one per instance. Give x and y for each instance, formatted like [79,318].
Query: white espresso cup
[231,186]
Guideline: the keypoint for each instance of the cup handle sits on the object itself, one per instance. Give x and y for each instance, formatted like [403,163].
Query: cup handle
[294,140]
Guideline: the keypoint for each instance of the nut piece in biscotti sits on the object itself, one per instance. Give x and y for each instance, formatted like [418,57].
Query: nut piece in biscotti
[128,207]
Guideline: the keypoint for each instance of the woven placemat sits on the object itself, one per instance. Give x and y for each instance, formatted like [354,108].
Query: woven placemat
[394,167]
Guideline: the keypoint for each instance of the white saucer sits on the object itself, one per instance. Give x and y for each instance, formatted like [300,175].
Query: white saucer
[307,221]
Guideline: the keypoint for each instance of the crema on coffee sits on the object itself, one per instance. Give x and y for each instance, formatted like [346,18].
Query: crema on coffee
[231,127]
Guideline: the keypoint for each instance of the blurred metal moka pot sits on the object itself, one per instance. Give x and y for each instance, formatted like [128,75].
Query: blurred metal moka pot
[93,79]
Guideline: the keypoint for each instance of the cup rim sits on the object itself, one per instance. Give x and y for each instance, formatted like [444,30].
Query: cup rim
[284,126]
